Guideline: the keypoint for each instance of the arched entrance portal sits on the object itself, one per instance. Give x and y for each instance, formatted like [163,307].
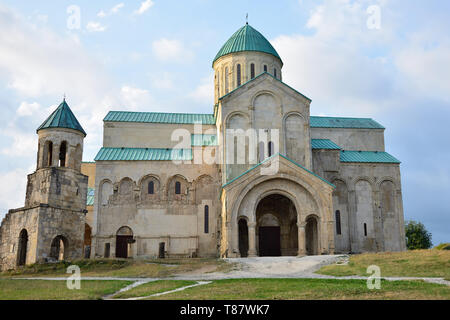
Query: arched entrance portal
[276,235]
[22,252]
[311,235]
[59,248]
[124,238]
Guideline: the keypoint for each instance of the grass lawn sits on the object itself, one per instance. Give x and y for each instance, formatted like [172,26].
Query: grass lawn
[415,263]
[154,287]
[309,289]
[157,268]
[56,290]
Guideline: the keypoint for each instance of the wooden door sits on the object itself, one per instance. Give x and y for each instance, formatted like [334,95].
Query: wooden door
[122,246]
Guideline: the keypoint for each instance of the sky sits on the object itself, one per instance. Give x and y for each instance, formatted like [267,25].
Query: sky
[387,60]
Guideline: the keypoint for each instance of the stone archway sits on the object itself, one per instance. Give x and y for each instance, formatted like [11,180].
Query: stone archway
[124,239]
[243,237]
[312,236]
[275,215]
[59,248]
[23,244]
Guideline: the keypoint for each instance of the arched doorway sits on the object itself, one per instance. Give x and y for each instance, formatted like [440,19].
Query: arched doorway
[243,237]
[311,235]
[22,252]
[124,238]
[275,216]
[59,247]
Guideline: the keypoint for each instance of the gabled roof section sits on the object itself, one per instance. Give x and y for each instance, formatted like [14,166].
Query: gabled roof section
[340,122]
[270,158]
[62,117]
[247,38]
[324,144]
[159,117]
[368,157]
[143,154]
[259,76]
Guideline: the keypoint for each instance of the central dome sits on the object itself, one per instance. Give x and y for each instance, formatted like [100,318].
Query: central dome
[247,39]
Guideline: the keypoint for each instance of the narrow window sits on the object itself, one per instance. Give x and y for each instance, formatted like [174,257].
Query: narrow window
[270,148]
[177,187]
[338,222]
[275,73]
[151,187]
[365,229]
[62,154]
[265,68]
[252,70]
[206,219]
[226,80]
[238,75]
[50,154]
[218,84]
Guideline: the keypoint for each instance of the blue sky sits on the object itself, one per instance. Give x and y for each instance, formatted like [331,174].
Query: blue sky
[156,56]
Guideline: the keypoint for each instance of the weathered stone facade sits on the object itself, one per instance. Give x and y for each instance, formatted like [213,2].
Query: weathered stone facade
[51,225]
[260,176]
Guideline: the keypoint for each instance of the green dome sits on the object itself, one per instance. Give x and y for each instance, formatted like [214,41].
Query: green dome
[247,39]
[62,117]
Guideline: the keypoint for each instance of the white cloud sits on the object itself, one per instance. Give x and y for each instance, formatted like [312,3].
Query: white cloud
[163,80]
[135,98]
[204,93]
[144,7]
[171,50]
[95,27]
[27,109]
[13,188]
[112,11]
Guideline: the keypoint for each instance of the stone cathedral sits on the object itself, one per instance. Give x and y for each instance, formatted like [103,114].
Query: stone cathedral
[259,176]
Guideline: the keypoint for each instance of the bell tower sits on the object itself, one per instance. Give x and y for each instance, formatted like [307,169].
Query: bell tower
[51,225]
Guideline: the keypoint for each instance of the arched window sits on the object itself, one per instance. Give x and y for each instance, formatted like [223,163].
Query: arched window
[218,84]
[238,75]
[226,80]
[338,222]
[50,154]
[265,68]
[206,219]
[365,229]
[177,187]
[270,149]
[151,187]
[62,154]
[252,70]
[275,73]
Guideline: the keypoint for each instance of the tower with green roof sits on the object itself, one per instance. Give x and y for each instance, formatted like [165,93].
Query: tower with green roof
[243,57]
[51,225]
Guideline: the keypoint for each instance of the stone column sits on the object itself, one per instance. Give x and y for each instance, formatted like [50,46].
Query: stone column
[251,239]
[301,239]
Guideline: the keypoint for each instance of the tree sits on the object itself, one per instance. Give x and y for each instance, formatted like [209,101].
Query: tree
[417,237]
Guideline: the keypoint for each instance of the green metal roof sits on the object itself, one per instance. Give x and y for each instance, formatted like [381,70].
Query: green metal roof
[367,157]
[324,144]
[159,117]
[203,140]
[143,154]
[62,117]
[247,39]
[339,122]
[90,197]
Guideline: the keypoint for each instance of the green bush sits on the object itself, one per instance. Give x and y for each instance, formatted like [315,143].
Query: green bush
[417,237]
[443,246]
